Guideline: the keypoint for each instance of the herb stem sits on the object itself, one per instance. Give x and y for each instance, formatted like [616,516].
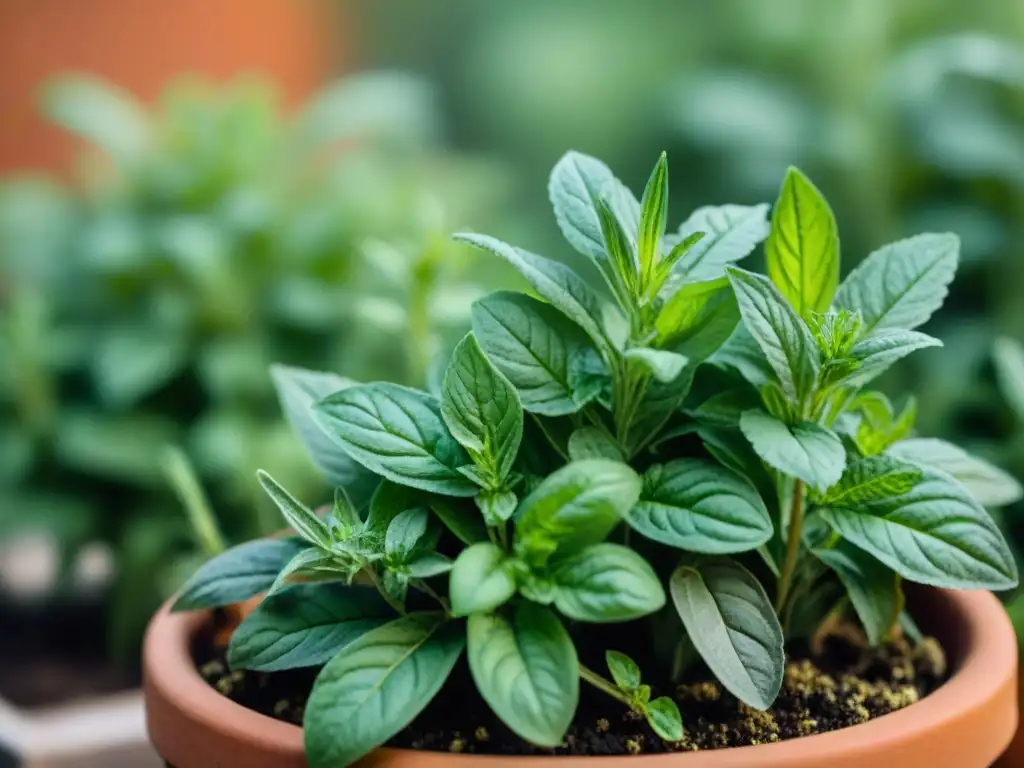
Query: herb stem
[796,527]
[605,685]
[426,589]
[372,574]
[503,536]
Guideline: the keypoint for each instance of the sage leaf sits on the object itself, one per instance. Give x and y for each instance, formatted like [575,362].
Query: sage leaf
[877,353]
[901,284]
[732,624]
[783,336]
[989,484]
[481,580]
[398,433]
[377,684]
[698,319]
[803,246]
[874,590]
[606,583]
[237,574]
[731,232]
[871,479]
[557,283]
[539,350]
[301,519]
[936,533]
[700,507]
[305,625]
[664,366]
[482,409]
[805,450]
[298,390]
[574,507]
[527,671]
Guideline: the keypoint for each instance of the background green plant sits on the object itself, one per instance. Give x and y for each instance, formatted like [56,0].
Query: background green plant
[199,239]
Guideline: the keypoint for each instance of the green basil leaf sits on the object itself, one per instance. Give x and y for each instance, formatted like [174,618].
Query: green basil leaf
[1008,358]
[574,507]
[539,350]
[664,366]
[901,284]
[482,409]
[803,247]
[398,433]
[557,283]
[593,443]
[308,563]
[606,583]
[405,534]
[481,580]
[388,501]
[377,684]
[731,232]
[526,670]
[935,534]
[298,391]
[625,672]
[302,520]
[782,335]
[873,589]
[428,565]
[877,353]
[700,507]
[653,216]
[990,485]
[664,718]
[698,319]
[871,479]
[620,248]
[237,574]
[305,625]
[732,624]
[496,506]
[804,450]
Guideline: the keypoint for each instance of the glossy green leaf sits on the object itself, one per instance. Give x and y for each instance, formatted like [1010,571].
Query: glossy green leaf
[664,718]
[804,450]
[901,284]
[871,479]
[732,624]
[874,590]
[989,484]
[101,113]
[731,233]
[428,565]
[312,563]
[653,217]
[526,670]
[406,533]
[698,319]
[460,517]
[399,433]
[305,625]
[300,518]
[663,365]
[698,506]
[606,583]
[377,684]
[593,443]
[481,579]
[625,671]
[803,247]
[877,353]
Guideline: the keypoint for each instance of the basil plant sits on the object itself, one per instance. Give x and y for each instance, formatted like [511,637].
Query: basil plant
[702,452]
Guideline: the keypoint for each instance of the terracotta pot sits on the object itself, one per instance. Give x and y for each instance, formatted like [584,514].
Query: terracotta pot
[964,724]
[140,45]
[1013,757]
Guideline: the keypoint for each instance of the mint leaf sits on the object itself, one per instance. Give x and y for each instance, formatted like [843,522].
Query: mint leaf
[664,718]
[731,232]
[653,216]
[935,534]
[873,589]
[804,450]
[527,671]
[871,479]
[606,583]
[481,579]
[732,624]
[700,507]
[625,672]
[398,433]
[698,319]
[539,350]
[377,684]
[459,517]
[990,485]
[901,284]
[803,247]
[664,366]
[593,443]
[305,625]
[556,282]
[406,533]
[875,354]
[301,519]
[482,409]
[783,337]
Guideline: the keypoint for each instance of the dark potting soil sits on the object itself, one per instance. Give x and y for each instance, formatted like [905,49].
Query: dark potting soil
[843,685]
[56,653]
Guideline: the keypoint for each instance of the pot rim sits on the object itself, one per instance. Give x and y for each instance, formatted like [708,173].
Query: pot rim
[978,702]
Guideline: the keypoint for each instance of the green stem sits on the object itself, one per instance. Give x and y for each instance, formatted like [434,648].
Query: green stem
[426,589]
[796,527]
[186,485]
[503,536]
[605,685]
[554,443]
[372,573]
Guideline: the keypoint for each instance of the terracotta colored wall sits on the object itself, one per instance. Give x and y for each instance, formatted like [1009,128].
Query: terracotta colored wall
[140,44]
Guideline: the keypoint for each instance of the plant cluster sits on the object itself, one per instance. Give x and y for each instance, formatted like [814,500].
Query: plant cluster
[703,452]
[204,237]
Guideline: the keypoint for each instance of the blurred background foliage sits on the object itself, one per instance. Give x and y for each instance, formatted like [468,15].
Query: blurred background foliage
[144,292]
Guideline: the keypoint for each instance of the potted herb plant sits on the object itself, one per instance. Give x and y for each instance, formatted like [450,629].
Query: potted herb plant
[678,522]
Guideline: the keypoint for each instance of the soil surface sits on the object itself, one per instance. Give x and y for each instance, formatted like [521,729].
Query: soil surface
[56,653]
[843,685]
